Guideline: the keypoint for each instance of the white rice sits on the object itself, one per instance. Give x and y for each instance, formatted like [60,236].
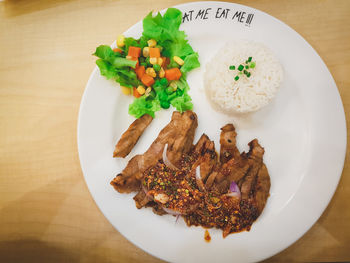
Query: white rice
[246,94]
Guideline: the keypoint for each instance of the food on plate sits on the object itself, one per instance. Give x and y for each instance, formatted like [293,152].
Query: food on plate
[152,68]
[178,134]
[175,177]
[130,137]
[242,77]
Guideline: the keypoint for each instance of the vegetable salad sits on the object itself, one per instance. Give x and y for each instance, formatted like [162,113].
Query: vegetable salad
[152,68]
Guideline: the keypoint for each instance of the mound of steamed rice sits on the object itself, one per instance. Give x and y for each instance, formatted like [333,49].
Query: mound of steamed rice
[245,94]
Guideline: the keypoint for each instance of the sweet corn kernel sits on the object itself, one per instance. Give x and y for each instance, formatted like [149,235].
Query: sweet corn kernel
[148,91]
[160,61]
[140,89]
[151,72]
[128,57]
[153,61]
[120,41]
[173,85]
[145,52]
[152,43]
[178,60]
[126,90]
[161,73]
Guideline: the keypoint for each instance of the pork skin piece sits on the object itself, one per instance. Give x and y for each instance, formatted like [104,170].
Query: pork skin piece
[228,149]
[130,137]
[178,134]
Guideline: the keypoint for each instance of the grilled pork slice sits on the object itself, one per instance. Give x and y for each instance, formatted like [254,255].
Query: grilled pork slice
[242,169]
[262,188]
[255,161]
[228,149]
[206,156]
[255,186]
[178,134]
[233,166]
[131,136]
[142,199]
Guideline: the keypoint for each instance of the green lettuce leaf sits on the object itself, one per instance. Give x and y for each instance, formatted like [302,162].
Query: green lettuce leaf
[119,63]
[127,78]
[183,101]
[106,53]
[191,62]
[129,41]
[106,69]
[166,31]
[172,41]
[112,66]
[163,28]
[141,106]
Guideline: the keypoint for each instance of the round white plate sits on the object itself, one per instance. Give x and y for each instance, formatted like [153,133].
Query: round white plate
[303,132]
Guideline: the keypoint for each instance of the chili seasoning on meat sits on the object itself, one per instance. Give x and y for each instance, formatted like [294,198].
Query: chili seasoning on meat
[177,192]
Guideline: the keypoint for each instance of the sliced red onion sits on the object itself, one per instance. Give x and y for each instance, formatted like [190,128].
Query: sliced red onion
[147,192]
[234,190]
[198,173]
[234,187]
[166,160]
[199,178]
[171,211]
[234,194]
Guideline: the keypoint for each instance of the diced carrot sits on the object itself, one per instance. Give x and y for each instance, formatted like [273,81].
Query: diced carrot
[134,52]
[135,93]
[140,71]
[172,74]
[118,50]
[154,52]
[147,80]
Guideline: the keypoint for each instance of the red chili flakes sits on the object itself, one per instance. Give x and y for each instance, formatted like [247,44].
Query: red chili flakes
[208,209]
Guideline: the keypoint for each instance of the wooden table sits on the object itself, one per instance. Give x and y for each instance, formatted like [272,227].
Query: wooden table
[46,211]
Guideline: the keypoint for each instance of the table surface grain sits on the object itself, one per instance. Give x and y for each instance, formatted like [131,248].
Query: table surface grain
[46,211]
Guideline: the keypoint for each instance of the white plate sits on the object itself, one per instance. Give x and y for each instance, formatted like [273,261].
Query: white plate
[303,132]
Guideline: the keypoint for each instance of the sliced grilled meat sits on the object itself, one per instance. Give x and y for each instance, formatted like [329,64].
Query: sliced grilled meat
[199,146]
[228,149]
[206,200]
[178,134]
[181,140]
[210,180]
[262,188]
[254,159]
[141,199]
[206,156]
[235,169]
[131,136]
